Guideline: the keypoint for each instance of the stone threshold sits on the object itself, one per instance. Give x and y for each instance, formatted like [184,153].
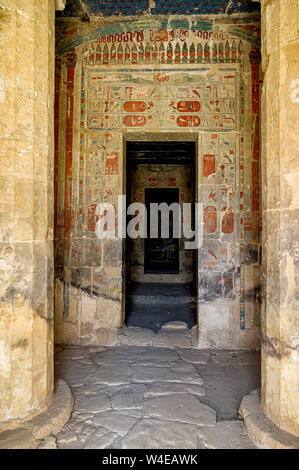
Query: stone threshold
[29,433]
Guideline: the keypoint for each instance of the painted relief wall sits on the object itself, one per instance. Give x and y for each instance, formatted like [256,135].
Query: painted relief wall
[165,75]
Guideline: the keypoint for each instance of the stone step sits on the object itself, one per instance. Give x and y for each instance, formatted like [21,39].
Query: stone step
[147,299]
[154,316]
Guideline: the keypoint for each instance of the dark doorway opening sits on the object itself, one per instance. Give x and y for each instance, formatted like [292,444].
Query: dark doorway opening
[161,255]
[160,274]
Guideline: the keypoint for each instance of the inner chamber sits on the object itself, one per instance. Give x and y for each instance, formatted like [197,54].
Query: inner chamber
[160,272]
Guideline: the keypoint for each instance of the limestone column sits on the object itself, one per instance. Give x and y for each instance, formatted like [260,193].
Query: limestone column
[26,206]
[280,202]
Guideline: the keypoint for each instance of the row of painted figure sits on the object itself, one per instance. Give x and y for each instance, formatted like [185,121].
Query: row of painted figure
[96,53]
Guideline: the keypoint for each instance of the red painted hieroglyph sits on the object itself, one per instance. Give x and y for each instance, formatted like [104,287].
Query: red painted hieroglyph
[111,163]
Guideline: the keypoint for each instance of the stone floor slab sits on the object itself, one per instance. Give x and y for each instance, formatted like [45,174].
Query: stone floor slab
[116,375]
[195,356]
[147,374]
[164,388]
[236,359]
[158,434]
[225,435]
[173,338]
[128,396]
[75,373]
[182,408]
[135,336]
[115,421]
[93,403]
[96,441]
[153,397]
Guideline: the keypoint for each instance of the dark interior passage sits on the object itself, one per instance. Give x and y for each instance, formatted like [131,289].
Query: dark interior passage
[151,305]
[160,272]
[161,255]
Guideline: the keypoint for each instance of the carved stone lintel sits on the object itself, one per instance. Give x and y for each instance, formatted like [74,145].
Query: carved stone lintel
[60,4]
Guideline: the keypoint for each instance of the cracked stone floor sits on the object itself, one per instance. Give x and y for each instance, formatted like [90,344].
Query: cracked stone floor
[153,396]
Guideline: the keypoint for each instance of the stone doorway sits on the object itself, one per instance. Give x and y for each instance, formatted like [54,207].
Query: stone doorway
[160,272]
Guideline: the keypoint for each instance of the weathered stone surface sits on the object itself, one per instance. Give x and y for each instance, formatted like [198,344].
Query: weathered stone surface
[69,435]
[180,407]
[263,432]
[187,373]
[245,358]
[112,376]
[26,208]
[117,421]
[58,413]
[128,396]
[49,422]
[99,441]
[225,435]
[280,173]
[48,443]
[165,388]
[175,325]
[152,374]
[76,376]
[105,415]
[195,356]
[147,355]
[158,434]
[20,438]
[93,403]
[134,336]
[173,338]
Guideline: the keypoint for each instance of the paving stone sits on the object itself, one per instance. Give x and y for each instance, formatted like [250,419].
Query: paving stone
[116,444]
[72,353]
[146,397]
[179,372]
[236,359]
[225,435]
[116,421]
[80,417]
[89,429]
[116,375]
[173,338]
[89,389]
[76,444]
[111,356]
[152,356]
[75,373]
[69,432]
[181,407]
[187,373]
[148,374]
[135,336]
[93,403]
[128,396]
[68,436]
[98,441]
[164,388]
[96,349]
[159,434]
[196,356]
